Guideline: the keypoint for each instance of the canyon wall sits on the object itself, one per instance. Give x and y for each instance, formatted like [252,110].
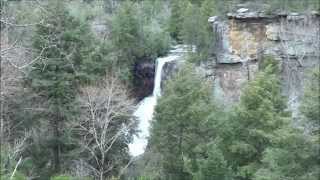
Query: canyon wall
[245,38]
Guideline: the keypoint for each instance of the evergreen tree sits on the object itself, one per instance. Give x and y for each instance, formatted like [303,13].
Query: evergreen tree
[197,31]
[310,106]
[191,25]
[255,122]
[214,166]
[137,36]
[208,9]
[179,122]
[295,154]
[68,58]
[126,36]
[176,18]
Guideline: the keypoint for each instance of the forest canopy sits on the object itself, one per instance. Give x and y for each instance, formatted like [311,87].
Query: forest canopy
[69,93]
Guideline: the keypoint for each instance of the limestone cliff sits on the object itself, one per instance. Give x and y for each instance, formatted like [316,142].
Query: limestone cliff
[245,37]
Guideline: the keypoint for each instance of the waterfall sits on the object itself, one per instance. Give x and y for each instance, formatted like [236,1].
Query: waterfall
[144,112]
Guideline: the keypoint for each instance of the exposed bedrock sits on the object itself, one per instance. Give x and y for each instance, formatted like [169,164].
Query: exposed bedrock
[245,37]
[144,79]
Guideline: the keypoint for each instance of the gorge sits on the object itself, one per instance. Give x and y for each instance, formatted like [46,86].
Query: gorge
[243,38]
[241,41]
[159,89]
[145,109]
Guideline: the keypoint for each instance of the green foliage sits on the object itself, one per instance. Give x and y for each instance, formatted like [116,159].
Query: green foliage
[70,57]
[67,53]
[191,138]
[189,24]
[197,31]
[310,106]
[147,166]
[270,61]
[253,125]
[39,152]
[183,126]
[8,163]
[208,9]
[258,118]
[62,178]
[223,7]
[137,35]
[144,178]
[126,33]
[20,13]
[294,5]
[176,18]
[180,121]
[192,25]
[17,176]
[294,156]
[214,166]
[84,11]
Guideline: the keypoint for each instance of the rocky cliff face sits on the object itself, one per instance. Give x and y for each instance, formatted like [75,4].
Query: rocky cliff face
[245,37]
[144,73]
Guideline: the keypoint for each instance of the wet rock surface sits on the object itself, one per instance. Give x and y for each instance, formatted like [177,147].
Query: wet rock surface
[144,79]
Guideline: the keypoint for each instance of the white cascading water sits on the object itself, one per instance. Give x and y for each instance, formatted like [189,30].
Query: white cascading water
[145,109]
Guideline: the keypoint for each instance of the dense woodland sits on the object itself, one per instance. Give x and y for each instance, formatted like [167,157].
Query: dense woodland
[67,97]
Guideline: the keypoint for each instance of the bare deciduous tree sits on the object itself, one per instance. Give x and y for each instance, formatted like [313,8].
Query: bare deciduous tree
[13,155]
[15,56]
[105,126]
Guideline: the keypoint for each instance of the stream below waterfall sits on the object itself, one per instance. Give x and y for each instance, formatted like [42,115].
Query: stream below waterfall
[145,108]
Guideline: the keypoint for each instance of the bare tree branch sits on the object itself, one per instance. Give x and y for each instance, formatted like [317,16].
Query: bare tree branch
[106,119]
[15,169]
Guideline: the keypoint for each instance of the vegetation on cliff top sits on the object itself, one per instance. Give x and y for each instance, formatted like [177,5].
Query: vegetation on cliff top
[71,114]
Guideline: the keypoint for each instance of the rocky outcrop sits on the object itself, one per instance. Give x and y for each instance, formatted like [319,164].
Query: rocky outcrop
[144,73]
[169,69]
[245,37]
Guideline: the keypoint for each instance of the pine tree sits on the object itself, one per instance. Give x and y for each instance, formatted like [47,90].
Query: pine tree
[295,154]
[191,23]
[208,9]
[176,19]
[310,106]
[68,59]
[196,30]
[179,122]
[254,124]
[126,33]
[137,36]
[214,166]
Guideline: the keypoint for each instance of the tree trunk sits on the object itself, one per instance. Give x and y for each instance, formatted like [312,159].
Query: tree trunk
[101,174]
